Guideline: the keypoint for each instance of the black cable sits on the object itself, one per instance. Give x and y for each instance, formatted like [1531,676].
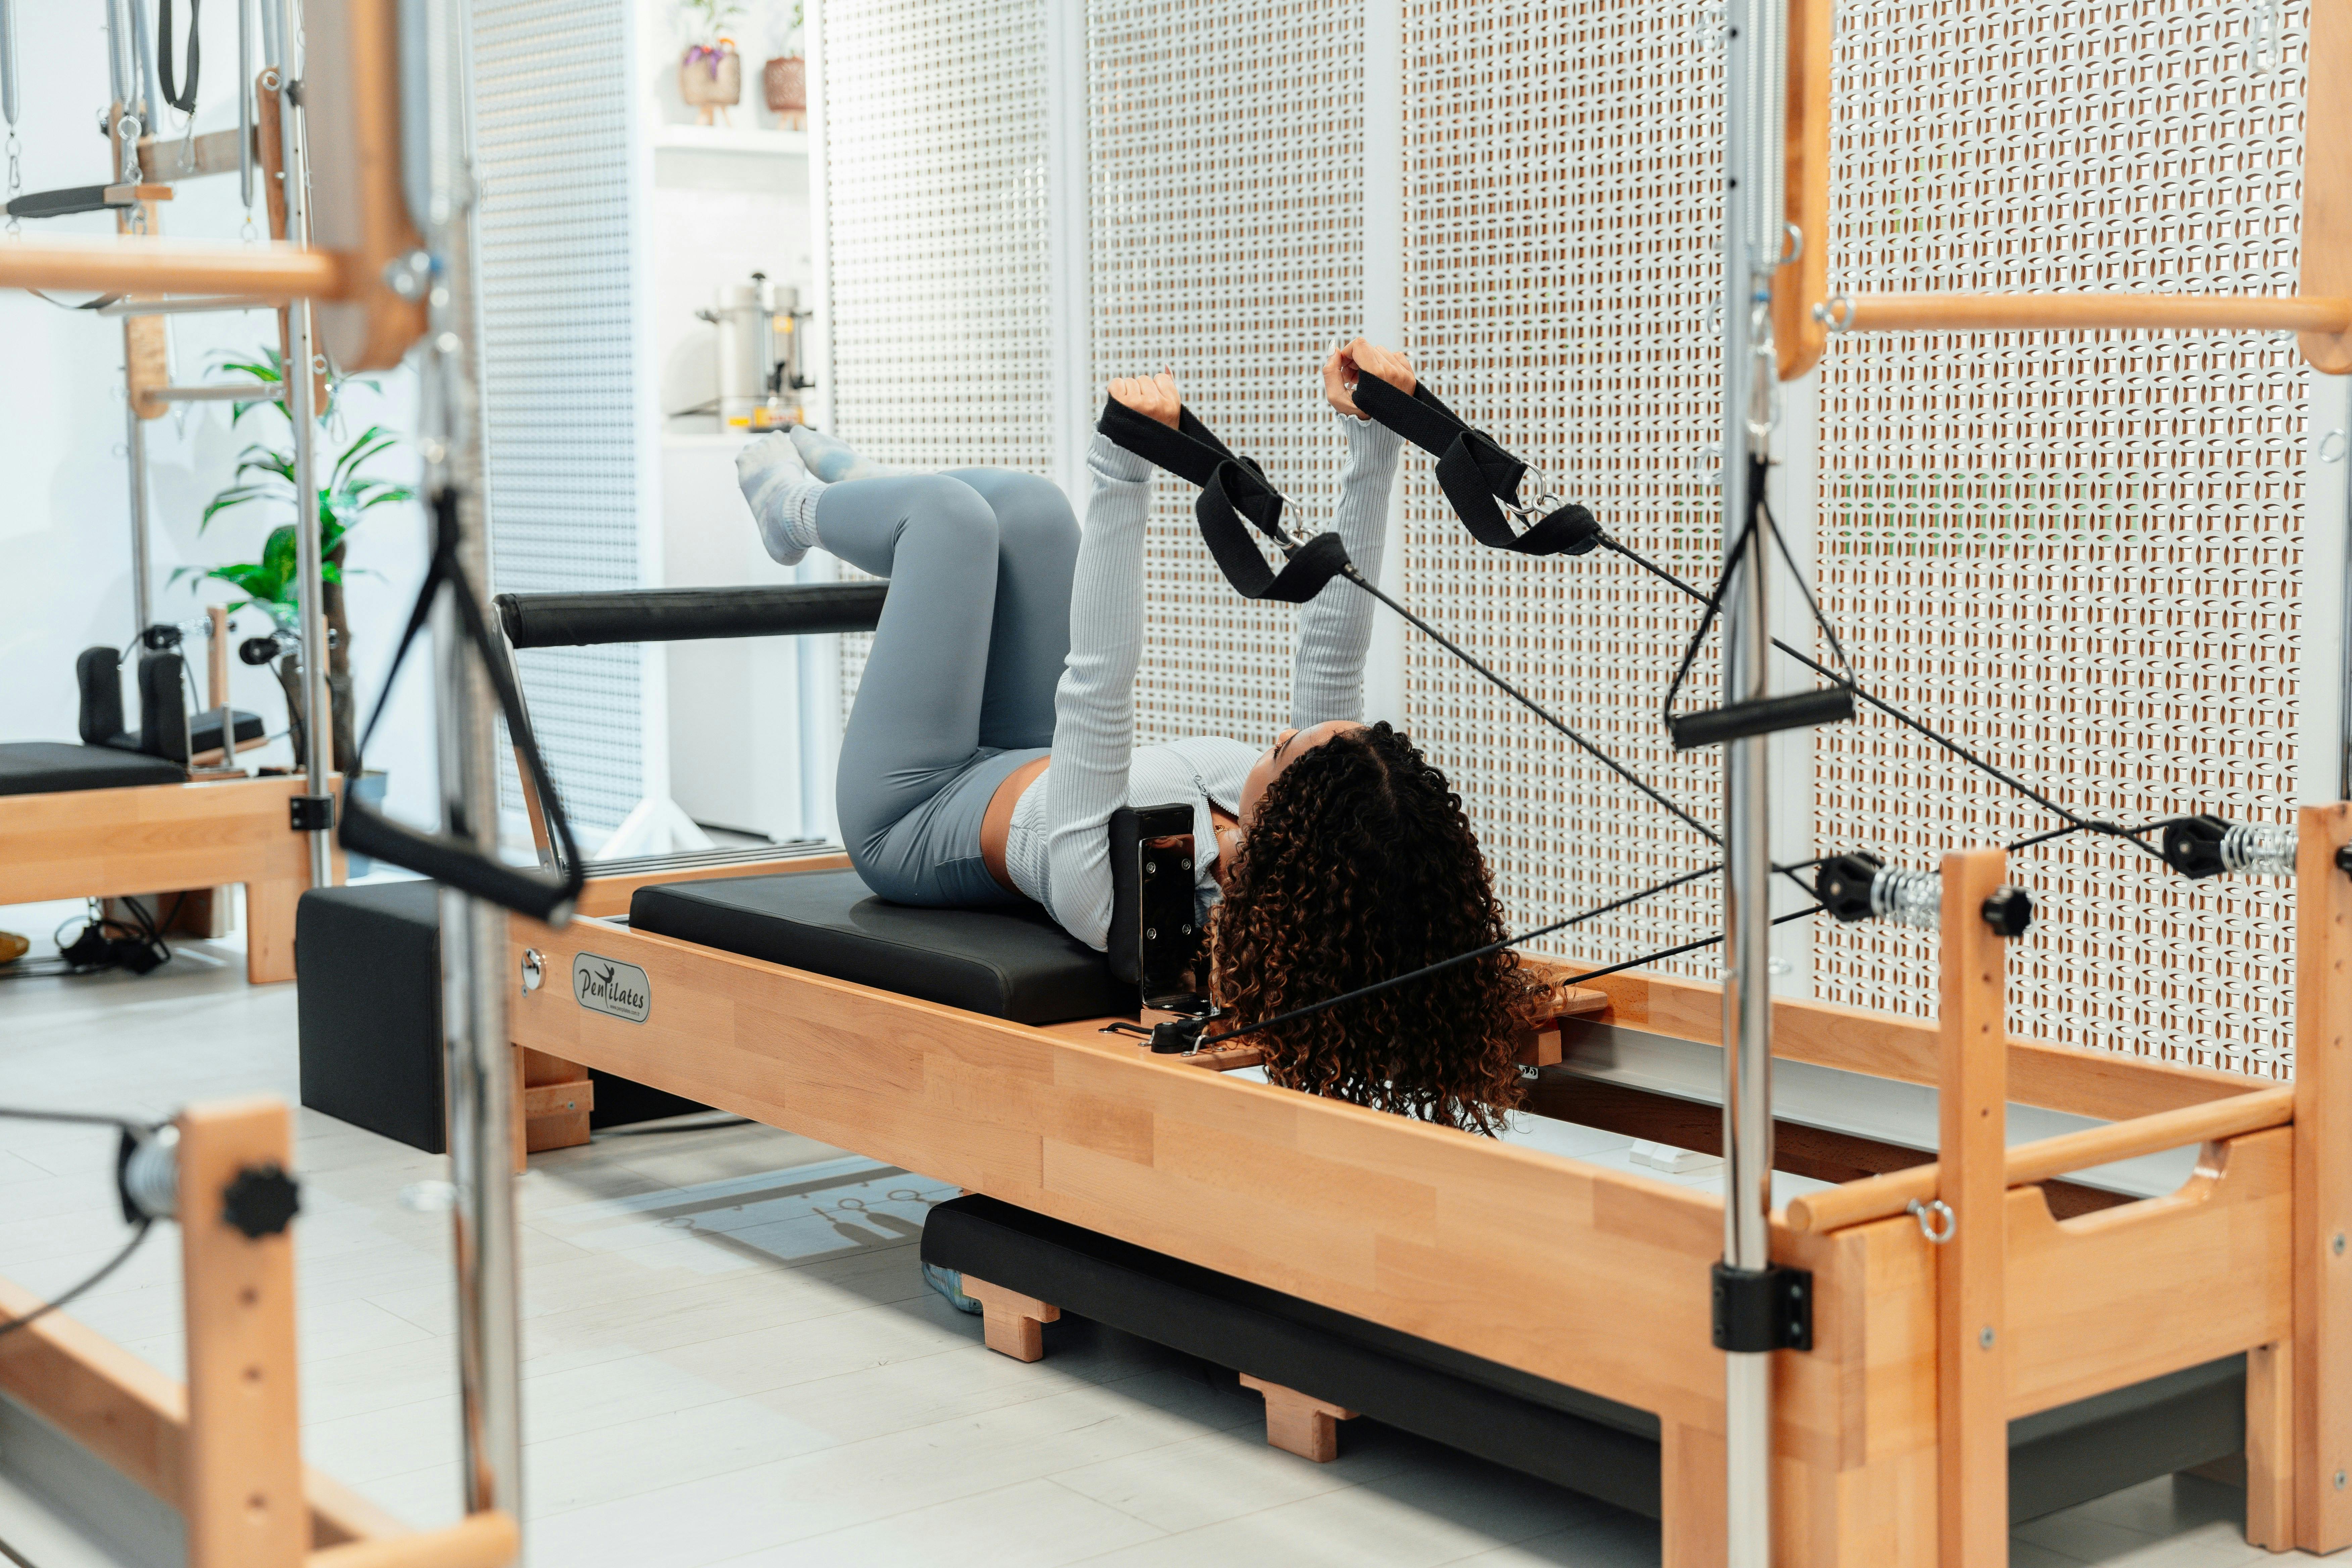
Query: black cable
[1666,954]
[1476,952]
[1612,763]
[81,1119]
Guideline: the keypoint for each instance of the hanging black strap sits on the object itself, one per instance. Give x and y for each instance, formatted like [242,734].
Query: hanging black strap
[452,860]
[1234,499]
[184,102]
[1474,473]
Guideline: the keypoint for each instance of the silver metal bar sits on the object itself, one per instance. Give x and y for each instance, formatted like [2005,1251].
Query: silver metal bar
[318,729]
[2344,635]
[244,80]
[475,977]
[257,392]
[1754,62]
[187,305]
[142,45]
[117,61]
[8,62]
[273,34]
[142,601]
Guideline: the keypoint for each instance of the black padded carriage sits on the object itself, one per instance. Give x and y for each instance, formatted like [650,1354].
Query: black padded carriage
[53,767]
[1016,965]
[2056,1459]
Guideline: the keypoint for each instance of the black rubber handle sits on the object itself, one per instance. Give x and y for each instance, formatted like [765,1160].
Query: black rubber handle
[679,615]
[456,863]
[1739,721]
[69,202]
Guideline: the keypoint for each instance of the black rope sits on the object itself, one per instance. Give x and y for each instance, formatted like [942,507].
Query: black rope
[82,1118]
[1476,952]
[1664,953]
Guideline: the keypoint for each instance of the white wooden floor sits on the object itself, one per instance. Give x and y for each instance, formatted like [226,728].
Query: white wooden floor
[730,1358]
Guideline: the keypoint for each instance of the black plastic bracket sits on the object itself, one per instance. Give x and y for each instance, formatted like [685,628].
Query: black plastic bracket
[312,813]
[1763,1309]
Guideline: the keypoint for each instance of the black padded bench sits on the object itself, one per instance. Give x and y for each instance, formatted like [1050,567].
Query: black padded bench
[56,767]
[1317,1358]
[1018,966]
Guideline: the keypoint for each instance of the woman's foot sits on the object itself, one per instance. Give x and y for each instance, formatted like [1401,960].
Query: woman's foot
[834,460]
[782,495]
[13,947]
[950,1283]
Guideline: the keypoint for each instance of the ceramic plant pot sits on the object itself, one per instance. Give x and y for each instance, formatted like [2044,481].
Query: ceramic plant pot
[711,79]
[785,83]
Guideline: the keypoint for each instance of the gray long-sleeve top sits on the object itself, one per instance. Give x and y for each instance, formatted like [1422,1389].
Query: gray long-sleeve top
[1058,851]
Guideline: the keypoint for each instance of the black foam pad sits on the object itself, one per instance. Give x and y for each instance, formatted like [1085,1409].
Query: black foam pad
[163,707]
[98,674]
[1020,967]
[204,727]
[54,767]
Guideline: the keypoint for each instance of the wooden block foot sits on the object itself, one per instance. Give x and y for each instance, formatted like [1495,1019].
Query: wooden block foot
[1013,1324]
[269,930]
[1299,1423]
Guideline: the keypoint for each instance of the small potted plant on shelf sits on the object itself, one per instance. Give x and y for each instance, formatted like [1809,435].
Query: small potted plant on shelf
[710,76]
[271,583]
[785,79]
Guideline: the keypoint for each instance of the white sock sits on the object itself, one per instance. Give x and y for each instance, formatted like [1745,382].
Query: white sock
[782,495]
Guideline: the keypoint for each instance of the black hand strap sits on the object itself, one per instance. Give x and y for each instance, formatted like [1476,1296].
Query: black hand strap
[1235,498]
[184,102]
[1474,473]
[451,860]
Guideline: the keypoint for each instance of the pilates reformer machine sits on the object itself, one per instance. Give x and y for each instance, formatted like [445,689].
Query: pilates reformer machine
[162,808]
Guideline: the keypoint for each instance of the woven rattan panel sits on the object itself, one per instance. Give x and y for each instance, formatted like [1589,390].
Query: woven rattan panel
[1559,193]
[558,358]
[935,208]
[1228,199]
[2079,553]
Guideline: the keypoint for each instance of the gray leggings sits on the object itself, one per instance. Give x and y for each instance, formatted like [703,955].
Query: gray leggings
[959,688]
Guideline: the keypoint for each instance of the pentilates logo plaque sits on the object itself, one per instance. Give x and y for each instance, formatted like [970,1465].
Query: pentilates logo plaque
[608,986]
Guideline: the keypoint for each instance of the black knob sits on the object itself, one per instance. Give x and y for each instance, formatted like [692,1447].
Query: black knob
[1842,885]
[257,650]
[2009,910]
[1178,1037]
[2192,846]
[262,1201]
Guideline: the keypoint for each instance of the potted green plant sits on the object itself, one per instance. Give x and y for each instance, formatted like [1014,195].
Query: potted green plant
[265,475]
[710,76]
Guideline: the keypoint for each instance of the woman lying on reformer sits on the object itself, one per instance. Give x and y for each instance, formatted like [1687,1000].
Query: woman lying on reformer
[993,737]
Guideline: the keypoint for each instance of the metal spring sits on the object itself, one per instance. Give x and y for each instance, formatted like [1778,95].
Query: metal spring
[151,1177]
[2259,849]
[1908,898]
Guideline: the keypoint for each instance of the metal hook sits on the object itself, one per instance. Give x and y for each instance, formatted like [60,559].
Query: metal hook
[1795,244]
[1928,1213]
[1836,313]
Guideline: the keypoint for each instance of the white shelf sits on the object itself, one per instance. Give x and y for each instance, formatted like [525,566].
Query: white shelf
[746,139]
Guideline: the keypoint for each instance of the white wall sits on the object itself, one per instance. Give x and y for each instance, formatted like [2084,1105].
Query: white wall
[64,491]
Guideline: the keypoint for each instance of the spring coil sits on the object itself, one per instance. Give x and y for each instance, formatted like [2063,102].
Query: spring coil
[151,1177]
[2259,849]
[1908,898]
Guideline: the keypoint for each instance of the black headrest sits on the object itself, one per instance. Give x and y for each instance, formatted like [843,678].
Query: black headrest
[99,673]
[163,707]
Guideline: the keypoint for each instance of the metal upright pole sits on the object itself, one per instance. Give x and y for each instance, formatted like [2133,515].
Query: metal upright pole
[1755,65]
[143,593]
[474,973]
[318,719]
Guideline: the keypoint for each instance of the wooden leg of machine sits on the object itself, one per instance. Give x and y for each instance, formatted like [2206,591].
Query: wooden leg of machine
[1973,1394]
[2270,1445]
[244,1503]
[1014,1324]
[2323,1182]
[269,930]
[1300,1424]
[553,1098]
[1691,1511]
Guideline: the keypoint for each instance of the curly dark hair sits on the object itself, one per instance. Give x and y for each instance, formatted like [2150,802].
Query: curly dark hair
[1359,865]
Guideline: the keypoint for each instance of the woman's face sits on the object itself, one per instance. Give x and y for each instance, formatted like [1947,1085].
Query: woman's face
[1287,748]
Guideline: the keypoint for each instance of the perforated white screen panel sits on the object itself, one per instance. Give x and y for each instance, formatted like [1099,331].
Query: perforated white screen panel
[558,366]
[2080,552]
[1561,212]
[1226,146]
[935,197]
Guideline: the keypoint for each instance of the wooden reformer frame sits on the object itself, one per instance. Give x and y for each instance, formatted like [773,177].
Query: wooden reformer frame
[224,1450]
[1894,1421]
[150,838]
